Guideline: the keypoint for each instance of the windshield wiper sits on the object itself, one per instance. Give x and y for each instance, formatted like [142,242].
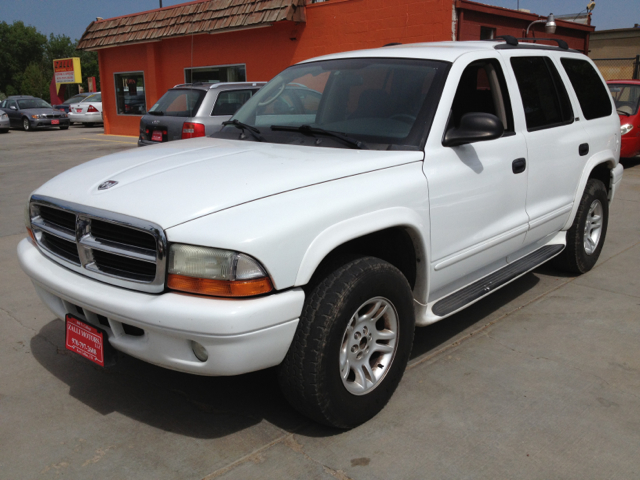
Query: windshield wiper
[156,113]
[321,131]
[243,126]
[623,112]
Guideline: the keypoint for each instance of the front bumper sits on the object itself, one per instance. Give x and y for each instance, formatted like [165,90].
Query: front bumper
[630,145]
[46,122]
[85,117]
[240,335]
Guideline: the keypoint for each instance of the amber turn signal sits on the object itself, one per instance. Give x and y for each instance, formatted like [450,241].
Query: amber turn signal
[219,288]
[31,235]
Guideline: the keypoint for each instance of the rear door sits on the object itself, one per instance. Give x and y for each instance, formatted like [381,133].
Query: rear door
[556,142]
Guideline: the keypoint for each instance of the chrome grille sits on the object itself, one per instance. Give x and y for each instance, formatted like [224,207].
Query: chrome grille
[113,248]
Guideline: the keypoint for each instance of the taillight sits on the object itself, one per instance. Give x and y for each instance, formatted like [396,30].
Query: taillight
[192,130]
[92,109]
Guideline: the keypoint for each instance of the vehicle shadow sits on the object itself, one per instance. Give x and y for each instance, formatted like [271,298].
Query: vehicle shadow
[431,338]
[214,407]
[630,162]
[190,405]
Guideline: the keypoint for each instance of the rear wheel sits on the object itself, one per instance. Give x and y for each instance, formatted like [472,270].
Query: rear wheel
[26,125]
[352,344]
[585,238]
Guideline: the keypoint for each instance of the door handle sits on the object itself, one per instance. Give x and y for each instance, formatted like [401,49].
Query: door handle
[519,165]
[583,149]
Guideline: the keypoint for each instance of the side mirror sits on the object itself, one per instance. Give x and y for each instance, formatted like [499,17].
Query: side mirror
[12,107]
[474,127]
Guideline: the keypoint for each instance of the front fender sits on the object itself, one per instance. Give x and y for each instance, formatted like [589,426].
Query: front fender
[356,227]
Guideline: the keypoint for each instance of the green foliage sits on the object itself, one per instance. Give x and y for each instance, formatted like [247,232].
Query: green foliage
[34,82]
[26,60]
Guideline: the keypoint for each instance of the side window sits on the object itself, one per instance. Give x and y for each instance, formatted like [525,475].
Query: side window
[482,89]
[591,92]
[12,103]
[544,97]
[230,102]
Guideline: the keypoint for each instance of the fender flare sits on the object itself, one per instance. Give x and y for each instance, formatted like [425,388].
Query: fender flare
[340,233]
[605,156]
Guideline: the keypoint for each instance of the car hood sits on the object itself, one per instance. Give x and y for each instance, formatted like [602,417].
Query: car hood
[179,181]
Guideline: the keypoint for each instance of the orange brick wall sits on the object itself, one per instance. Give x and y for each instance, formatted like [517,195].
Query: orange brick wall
[334,26]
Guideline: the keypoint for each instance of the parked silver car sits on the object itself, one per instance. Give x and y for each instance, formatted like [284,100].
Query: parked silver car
[193,110]
[88,111]
[32,112]
[4,121]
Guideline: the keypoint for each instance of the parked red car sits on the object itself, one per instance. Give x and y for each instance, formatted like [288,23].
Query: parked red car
[626,94]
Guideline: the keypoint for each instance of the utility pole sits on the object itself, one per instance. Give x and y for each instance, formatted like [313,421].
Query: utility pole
[161,3]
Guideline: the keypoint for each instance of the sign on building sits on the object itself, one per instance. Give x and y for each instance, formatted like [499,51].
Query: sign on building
[67,70]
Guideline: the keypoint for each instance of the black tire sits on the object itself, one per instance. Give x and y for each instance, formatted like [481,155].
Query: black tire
[64,127]
[578,257]
[310,376]
[26,126]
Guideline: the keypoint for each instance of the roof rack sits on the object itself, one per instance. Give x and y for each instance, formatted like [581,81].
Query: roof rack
[513,42]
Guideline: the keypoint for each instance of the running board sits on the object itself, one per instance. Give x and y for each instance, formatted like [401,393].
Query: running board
[483,287]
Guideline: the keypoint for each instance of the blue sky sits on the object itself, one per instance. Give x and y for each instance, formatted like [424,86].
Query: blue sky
[71,17]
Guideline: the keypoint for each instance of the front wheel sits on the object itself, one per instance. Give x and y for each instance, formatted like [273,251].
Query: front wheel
[585,238]
[26,125]
[352,343]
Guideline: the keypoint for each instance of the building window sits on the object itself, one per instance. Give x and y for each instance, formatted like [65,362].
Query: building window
[487,33]
[130,94]
[216,74]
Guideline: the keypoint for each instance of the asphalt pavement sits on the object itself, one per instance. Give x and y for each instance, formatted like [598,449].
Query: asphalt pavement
[541,380]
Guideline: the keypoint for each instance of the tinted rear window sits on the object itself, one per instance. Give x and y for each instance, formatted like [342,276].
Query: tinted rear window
[544,98]
[229,102]
[591,92]
[179,103]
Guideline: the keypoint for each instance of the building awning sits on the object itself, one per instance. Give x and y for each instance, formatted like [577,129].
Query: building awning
[202,16]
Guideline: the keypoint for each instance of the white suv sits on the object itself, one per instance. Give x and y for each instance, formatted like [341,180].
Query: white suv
[354,197]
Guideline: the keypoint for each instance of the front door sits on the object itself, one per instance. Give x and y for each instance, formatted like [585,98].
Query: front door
[477,192]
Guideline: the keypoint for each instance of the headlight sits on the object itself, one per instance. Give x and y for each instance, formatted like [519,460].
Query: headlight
[63,115]
[42,115]
[27,220]
[624,129]
[3,115]
[211,271]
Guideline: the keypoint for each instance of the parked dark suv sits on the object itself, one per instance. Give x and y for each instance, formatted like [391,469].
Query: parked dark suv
[193,110]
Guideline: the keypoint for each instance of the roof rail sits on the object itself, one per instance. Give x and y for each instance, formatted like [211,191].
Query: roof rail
[512,42]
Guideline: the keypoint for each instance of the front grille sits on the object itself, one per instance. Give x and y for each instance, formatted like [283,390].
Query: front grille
[124,267]
[62,248]
[58,218]
[113,248]
[116,233]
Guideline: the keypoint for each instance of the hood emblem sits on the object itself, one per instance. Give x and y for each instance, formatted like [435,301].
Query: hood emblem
[107,184]
[155,122]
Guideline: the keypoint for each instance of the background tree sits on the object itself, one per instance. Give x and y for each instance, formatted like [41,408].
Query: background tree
[26,61]
[20,46]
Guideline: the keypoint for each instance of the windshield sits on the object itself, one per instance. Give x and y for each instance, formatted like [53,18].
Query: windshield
[32,103]
[179,103]
[385,103]
[626,97]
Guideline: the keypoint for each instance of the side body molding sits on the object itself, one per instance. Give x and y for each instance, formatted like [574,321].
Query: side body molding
[359,226]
